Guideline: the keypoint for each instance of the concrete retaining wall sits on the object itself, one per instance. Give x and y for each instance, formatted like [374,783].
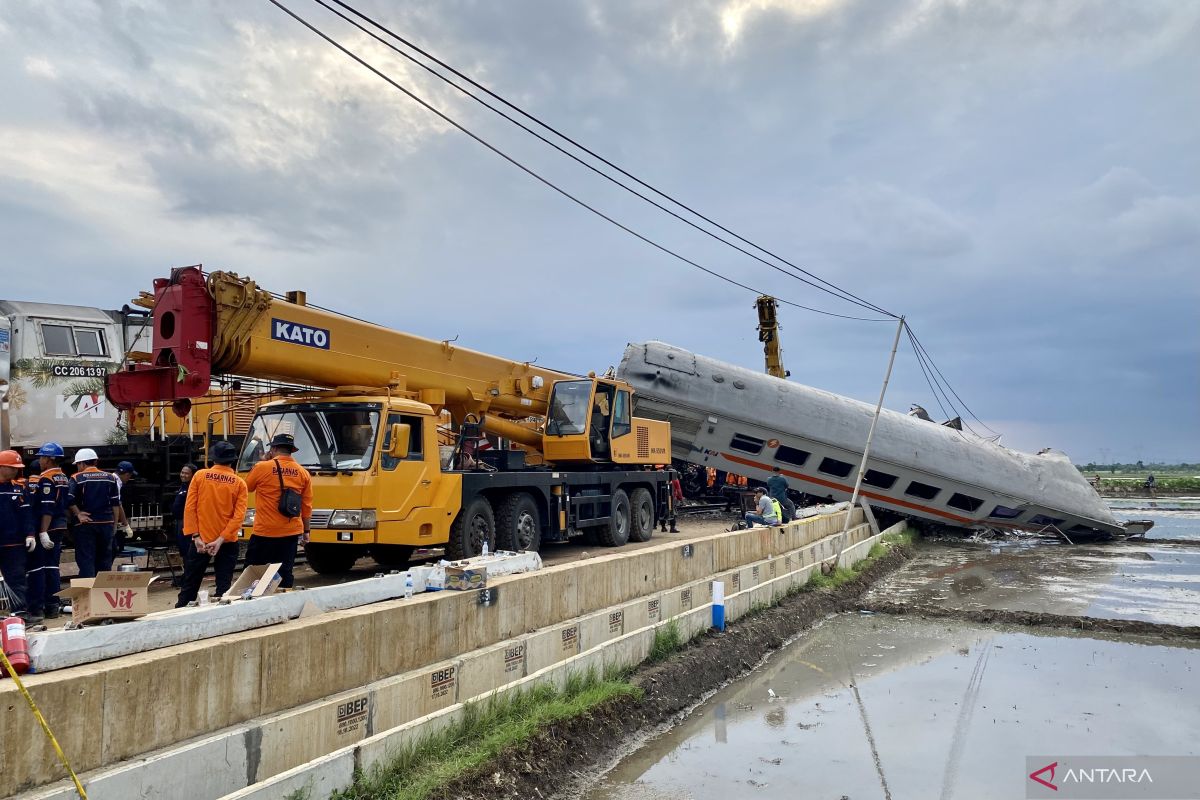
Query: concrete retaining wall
[291,692]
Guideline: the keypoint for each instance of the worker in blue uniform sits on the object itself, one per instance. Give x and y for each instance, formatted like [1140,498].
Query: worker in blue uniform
[48,499]
[96,500]
[16,524]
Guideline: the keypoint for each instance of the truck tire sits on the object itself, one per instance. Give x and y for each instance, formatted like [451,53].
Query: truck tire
[327,558]
[518,524]
[473,525]
[391,556]
[616,532]
[641,515]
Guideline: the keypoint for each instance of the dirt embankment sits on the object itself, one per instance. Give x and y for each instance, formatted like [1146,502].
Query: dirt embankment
[990,616]
[552,762]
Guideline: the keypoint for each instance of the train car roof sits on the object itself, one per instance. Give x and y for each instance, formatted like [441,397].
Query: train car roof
[25,308]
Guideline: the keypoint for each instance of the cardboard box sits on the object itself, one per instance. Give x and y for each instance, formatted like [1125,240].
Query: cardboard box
[466,578]
[109,595]
[260,576]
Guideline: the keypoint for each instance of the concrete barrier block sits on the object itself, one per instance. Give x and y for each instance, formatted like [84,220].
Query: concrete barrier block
[310,658]
[562,590]
[600,627]
[484,670]
[317,779]
[129,727]
[548,647]
[381,749]
[397,701]
[26,757]
[694,622]
[761,595]
[737,606]
[514,604]
[396,649]
[299,736]
[634,616]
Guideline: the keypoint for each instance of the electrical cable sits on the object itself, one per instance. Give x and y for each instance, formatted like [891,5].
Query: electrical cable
[540,178]
[948,386]
[840,293]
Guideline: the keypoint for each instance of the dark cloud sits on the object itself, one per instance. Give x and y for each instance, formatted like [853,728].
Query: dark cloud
[1022,180]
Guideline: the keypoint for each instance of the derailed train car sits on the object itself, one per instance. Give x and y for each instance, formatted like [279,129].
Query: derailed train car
[735,419]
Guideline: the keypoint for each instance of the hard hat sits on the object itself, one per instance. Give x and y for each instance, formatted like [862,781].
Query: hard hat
[223,453]
[86,454]
[127,466]
[11,458]
[51,450]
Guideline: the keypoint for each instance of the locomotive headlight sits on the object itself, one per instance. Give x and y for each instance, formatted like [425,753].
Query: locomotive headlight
[353,518]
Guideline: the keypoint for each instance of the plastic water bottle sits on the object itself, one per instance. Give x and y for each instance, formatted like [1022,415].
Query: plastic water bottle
[408,586]
[485,548]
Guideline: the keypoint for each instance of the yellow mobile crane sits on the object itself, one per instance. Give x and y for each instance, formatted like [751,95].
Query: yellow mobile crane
[768,334]
[368,430]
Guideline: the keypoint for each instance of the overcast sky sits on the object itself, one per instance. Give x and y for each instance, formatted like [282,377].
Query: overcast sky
[1021,179]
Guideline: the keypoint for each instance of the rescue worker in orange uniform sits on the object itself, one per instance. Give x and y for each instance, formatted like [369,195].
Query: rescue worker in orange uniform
[212,517]
[283,508]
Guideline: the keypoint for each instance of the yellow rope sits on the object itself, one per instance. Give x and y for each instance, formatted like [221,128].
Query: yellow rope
[29,699]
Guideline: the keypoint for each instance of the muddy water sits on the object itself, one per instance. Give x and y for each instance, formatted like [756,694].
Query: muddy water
[1126,580]
[1174,517]
[952,711]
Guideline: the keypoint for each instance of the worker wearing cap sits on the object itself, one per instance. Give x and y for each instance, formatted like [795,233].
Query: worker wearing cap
[212,516]
[16,523]
[48,500]
[275,535]
[95,499]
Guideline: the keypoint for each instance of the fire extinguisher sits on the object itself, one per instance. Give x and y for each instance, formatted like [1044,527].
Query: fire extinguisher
[15,645]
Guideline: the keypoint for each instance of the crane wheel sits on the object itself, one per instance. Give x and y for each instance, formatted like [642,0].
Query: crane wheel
[641,515]
[474,525]
[616,532]
[326,558]
[518,524]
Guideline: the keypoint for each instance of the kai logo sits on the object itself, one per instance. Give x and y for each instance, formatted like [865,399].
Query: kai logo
[294,332]
[79,406]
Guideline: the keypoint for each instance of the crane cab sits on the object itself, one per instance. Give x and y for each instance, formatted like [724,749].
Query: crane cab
[591,420]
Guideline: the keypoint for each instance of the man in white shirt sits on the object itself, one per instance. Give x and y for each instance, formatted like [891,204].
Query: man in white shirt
[766,510]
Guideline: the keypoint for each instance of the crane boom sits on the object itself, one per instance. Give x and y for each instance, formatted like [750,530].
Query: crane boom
[768,334]
[226,324]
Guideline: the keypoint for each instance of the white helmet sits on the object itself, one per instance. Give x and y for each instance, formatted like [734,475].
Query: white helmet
[86,454]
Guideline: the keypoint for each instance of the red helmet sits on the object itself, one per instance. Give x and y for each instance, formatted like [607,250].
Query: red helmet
[11,458]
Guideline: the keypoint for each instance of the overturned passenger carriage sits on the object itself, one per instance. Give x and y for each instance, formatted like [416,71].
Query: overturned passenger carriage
[735,419]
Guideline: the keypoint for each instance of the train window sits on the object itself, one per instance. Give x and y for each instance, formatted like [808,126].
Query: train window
[880,480]
[89,341]
[57,340]
[922,490]
[965,502]
[1042,519]
[747,444]
[1004,512]
[831,466]
[790,455]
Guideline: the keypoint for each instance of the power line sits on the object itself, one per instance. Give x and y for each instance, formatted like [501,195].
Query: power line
[833,289]
[948,386]
[537,176]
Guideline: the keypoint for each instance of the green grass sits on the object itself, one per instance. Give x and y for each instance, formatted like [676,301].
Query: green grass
[485,730]
[667,641]
[1162,483]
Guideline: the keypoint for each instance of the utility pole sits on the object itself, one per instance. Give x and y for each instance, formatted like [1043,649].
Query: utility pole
[768,334]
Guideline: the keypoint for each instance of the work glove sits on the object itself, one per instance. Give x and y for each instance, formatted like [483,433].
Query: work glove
[46,541]
[30,543]
[127,530]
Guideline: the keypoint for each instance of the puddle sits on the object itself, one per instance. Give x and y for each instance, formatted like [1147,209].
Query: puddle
[1173,519]
[1140,581]
[953,710]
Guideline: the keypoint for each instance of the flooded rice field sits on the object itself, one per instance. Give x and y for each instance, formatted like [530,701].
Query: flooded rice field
[879,706]
[1123,580]
[882,706]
